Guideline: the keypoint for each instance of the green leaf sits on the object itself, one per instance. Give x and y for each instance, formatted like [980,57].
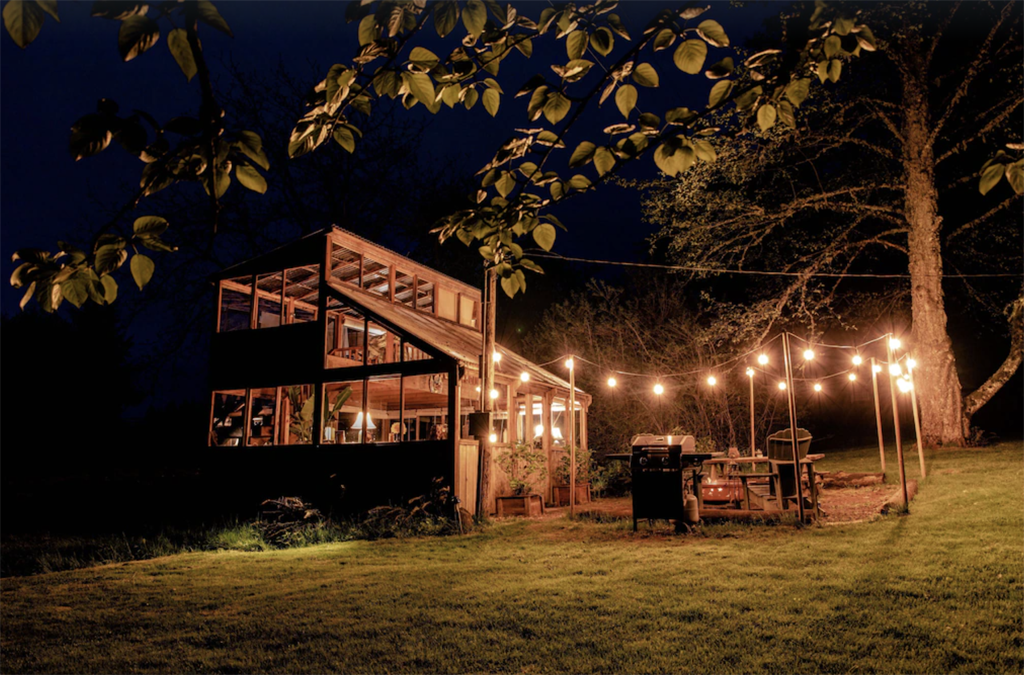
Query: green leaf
[664,39]
[367,30]
[149,226]
[156,244]
[142,269]
[615,23]
[690,55]
[532,266]
[50,7]
[556,107]
[343,137]
[537,100]
[713,33]
[833,46]
[721,69]
[1015,176]
[576,44]
[579,182]
[582,154]
[209,15]
[786,115]
[23,20]
[604,160]
[557,190]
[625,99]
[602,41]
[505,184]
[679,116]
[866,39]
[420,86]
[75,290]
[493,84]
[835,67]
[747,98]
[766,116]
[470,99]
[704,151]
[990,176]
[424,58]
[645,75]
[842,26]
[251,178]
[251,145]
[510,285]
[89,135]
[719,93]
[492,99]
[474,17]
[797,90]
[177,43]
[109,289]
[446,15]
[544,235]
[450,94]
[136,35]
[109,257]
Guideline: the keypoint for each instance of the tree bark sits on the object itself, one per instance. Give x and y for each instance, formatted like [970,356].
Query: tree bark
[985,392]
[942,411]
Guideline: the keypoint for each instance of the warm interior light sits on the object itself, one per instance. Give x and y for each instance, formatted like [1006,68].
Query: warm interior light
[556,433]
[903,385]
[852,377]
[895,369]
[911,364]
[493,438]
[478,390]
[494,393]
[857,360]
[658,389]
[750,372]
[497,357]
[782,386]
[569,364]
[894,343]
[525,376]
[808,354]
[817,386]
[358,425]
[876,369]
[538,430]
[612,382]
[712,380]
[763,359]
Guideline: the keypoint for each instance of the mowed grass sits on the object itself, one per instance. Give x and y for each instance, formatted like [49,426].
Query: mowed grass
[938,591]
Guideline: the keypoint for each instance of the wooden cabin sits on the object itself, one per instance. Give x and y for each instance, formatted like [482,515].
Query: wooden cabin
[340,355]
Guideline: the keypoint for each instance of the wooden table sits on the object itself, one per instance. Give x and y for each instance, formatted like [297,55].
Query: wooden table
[726,463]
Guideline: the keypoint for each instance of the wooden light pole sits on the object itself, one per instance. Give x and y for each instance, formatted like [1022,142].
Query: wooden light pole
[917,419]
[896,421]
[878,414]
[791,397]
[753,438]
[571,363]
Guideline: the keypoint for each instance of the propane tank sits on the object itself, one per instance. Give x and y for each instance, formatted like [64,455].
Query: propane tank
[690,512]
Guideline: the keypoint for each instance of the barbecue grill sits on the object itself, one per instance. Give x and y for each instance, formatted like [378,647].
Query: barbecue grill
[658,465]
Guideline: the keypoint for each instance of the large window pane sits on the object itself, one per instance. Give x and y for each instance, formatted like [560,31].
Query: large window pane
[426,401]
[228,423]
[343,402]
[382,346]
[301,293]
[269,288]
[265,411]
[467,311]
[446,304]
[346,330]
[235,304]
[297,410]
[345,265]
[383,397]
[375,277]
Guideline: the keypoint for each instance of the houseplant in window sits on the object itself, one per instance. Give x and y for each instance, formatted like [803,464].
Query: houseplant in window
[524,467]
[301,407]
[560,490]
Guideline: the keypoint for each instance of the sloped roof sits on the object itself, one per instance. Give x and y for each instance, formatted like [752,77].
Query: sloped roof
[457,341]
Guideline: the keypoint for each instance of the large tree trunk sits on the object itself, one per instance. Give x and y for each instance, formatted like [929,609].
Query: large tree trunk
[937,382]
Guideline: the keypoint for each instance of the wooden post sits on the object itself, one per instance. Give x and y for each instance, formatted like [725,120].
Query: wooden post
[878,414]
[753,437]
[792,425]
[917,421]
[896,423]
[572,437]
[546,438]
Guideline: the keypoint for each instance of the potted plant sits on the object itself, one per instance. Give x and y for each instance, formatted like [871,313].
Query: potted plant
[524,466]
[560,491]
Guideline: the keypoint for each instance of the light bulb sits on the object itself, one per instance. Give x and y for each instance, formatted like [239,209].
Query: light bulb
[782,386]
[612,382]
[763,359]
[658,389]
[876,369]
[712,380]
[852,377]
[538,430]
[524,376]
[808,354]
[569,364]
[903,385]
[895,369]
[493,438]
[497,357]
[750,372]
[478,390]
[894,343]
[817,386]
[857,360]
[494,393]
[911,364]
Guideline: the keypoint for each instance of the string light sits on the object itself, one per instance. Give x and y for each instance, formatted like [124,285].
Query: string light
[538,430]
[763,359]
[911,364]
[750,372]
[612,382]
[857,360]
[497,357]
[852,377]
[569,364]
[494,393]
[894,369]
[493,438]
[817,387]
[782,386]
[525,376]
[903,385]
[712,380]
[808,354]
[658,389]
[876,369]
[478,390]
[894,343]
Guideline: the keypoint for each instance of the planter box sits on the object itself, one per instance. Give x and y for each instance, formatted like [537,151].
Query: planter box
[525,505]
[560,494]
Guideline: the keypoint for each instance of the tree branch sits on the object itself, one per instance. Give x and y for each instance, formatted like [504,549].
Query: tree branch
[983,394]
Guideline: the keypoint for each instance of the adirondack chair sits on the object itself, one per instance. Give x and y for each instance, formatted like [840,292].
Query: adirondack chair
[780,455]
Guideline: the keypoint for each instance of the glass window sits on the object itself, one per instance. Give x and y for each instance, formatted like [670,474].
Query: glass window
[383,401]
[235,304]
[345,265]
[297,409]
[382,346]
[405,288]
[446,307]
[426,401]
[375,277]
[467,311]
[301,294]
[228,422]
[558,418]
[343,404]
[425,296]
[268,293]
[346,331]
[265,413]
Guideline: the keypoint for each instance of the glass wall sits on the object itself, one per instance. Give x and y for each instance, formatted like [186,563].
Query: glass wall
[228,418]
[301,294]
[382,346]
[268,297]
[346,336]
[235,304]
[343,404]
[345,266]
[297,411]
[264,412]
[386,409]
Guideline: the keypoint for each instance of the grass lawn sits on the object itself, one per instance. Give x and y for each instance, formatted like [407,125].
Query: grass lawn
[938,591]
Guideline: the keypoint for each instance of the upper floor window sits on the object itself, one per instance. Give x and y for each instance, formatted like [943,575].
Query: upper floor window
[235,304]
[281,298]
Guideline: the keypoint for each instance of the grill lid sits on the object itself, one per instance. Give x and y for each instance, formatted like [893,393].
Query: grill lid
[685,443]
